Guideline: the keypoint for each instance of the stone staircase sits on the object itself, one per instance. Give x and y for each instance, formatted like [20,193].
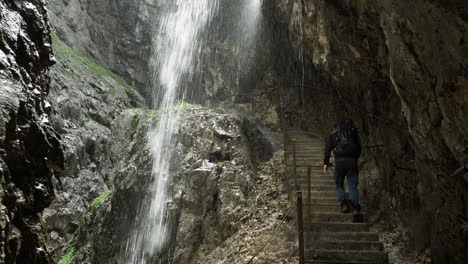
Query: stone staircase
[329,235]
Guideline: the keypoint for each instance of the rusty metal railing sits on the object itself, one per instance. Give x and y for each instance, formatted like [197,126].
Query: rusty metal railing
[294,163]
[309,193]
[300,227]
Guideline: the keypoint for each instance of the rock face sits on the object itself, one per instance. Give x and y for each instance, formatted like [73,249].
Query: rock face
[212,186]
[120,35]
[86,98]
[399,69]
[116,34]
[30,150]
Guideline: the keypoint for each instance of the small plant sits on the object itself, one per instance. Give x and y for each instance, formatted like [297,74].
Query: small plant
[154,114]
[96,203]
[67,258]
[136,117]
[185,105]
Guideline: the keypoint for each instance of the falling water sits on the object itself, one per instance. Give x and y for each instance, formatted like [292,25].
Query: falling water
[298,21]
[176,48]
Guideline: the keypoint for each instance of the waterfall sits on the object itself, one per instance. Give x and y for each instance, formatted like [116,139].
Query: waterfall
[176,50]
[176,46]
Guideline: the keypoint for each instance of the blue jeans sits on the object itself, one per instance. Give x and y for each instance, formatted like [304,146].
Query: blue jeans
[347,168]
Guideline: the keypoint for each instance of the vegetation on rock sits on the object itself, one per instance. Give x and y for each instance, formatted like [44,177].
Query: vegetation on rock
[96,203]
[67,258]
[85,66]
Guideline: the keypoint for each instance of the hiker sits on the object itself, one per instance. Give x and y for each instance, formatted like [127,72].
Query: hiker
[346,146]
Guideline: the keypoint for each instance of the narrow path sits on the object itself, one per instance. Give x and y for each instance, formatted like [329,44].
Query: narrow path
[330,236]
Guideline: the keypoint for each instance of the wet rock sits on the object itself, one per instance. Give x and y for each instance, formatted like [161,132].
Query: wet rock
[30,149]
[263,144]
[98,30]
[86,99]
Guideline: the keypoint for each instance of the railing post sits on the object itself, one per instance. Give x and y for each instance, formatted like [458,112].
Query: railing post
[294,162]
[300,227]
[309,193]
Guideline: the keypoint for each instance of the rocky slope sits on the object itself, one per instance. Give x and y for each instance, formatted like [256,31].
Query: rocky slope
[212,186]
[86,98]
[30,149]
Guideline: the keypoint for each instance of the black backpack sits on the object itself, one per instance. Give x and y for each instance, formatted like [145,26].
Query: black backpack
[347,144]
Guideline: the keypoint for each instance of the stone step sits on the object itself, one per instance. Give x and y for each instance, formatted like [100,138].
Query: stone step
[322,200]
[328,217]
[323,208]
[306,148]
[316,184]
[313,167]
[343,236]
[300,178]
[329,193]
[302,134]
[304,144]
[347,256]
[335,227]
[305,162]
[301,157]
[314,187]
[330,187]
[316,194]
[305,156]
[343,245]
[315,178]
[304,138]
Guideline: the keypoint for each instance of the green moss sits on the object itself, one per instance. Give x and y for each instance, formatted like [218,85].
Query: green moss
[96,203]
[185,105]
[67,258]
[86,66]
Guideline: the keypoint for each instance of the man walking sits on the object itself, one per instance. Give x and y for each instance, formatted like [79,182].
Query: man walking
[346,146]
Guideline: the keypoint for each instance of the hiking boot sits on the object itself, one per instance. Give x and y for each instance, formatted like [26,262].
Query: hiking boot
[345,207]
[357,216]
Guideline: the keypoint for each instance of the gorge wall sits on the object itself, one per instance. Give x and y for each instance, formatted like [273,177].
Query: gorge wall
[30,149]
[398,68]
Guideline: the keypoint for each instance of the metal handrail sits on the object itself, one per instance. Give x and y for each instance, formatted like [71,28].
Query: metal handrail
[300,227]
[463,168]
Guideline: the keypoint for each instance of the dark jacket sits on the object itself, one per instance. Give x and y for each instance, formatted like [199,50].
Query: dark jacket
[331,142]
